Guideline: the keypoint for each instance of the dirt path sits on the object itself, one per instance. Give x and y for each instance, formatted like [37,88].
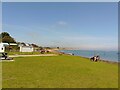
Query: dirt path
[32,55]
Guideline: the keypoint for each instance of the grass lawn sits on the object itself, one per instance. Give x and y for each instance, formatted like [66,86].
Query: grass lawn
[59,72]
[26,53]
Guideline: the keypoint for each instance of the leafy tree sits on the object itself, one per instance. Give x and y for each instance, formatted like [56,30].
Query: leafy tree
[6,38]
[0,40]
[3,34]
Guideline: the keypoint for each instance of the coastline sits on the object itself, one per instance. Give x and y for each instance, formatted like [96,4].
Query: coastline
[101,60]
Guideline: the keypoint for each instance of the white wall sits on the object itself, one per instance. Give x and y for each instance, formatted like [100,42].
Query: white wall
[26,49]
[2,47]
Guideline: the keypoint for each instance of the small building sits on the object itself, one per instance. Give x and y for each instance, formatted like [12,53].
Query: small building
[25,47]
[2,46]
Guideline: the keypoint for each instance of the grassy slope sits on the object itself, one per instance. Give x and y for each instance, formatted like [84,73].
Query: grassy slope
[59,72]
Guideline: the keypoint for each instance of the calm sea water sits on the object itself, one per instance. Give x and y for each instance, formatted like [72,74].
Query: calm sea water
[104,55]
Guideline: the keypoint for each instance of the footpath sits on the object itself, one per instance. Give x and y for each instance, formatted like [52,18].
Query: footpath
[32,55]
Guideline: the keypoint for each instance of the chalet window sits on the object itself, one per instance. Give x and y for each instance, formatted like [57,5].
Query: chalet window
[2,48]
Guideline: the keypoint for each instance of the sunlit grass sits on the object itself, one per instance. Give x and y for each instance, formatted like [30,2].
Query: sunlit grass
[59,72]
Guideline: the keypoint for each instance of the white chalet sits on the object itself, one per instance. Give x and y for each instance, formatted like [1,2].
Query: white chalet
[25,47]
[2,46]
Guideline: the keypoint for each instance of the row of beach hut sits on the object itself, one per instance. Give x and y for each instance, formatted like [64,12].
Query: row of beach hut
[24,47]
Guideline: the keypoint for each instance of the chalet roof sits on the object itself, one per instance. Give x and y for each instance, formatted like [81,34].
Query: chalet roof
[8,44]
[34,45]
[4,44]
[25,45]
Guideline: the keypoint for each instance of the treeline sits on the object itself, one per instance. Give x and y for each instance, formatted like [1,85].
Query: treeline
[5,37]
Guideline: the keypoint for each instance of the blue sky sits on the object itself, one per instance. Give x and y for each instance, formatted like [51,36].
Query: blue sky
[77,25]
[0,16]
[60,0]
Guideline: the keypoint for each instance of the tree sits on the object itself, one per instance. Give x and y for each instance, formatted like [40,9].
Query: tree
[3,34]
[0,40]
[6,38]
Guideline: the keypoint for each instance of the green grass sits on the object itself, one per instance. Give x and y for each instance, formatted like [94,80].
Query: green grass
[59,72]
[26,53]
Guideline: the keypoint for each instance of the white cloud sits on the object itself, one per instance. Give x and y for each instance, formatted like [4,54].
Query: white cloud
[59,25]
[62,23]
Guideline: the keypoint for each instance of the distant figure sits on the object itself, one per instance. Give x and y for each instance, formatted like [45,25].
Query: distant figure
[95,58]
[4,55]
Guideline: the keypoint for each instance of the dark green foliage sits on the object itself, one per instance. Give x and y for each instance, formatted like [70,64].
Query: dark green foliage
[3,34]
[6,38]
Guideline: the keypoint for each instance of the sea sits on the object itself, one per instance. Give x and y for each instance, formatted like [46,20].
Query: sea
[104,55]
